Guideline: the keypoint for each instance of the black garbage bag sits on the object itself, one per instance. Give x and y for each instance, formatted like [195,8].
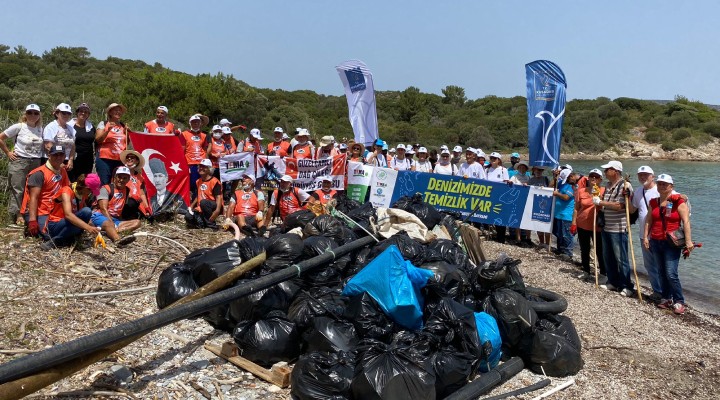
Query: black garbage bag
[362,216]
[452,370]
[324,225]
[449,251]
[322,376]
[298,219]
[450,276]
[515,317]
[328,334]
[449,221]
[345,204]
[421,344]
[361,259]
[502,272]
[555,349]
[216,262]
[175,282]
[324,275]
[514,279]
[219,318]
[391,372]
[410,249]
[269,340]
[316,302]
[455,325]
[194,259]
[259,304]
[282,250]
[368,318]
[251,247]
[415,205]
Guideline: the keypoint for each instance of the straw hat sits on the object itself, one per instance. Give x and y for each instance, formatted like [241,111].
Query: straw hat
[362,147]
[141,159]
[113,105]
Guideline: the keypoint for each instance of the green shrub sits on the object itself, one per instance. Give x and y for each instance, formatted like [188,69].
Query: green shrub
[712,128]
[680,134]
[669,145]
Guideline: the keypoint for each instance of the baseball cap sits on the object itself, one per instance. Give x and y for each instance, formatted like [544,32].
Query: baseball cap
[32,107]
[195,117]
[58,148]
[400,147]
[410,150]
[286,178]
[515,155]
[303,132]
[457,149]
[216,128]
[255,132]
[63,107]
[596,172]
[226,130]
[480,153]
[665,178]
[422,150]
[92,181]
[343,146]
[206,162]
[249,176]
[385,146]
[445,151]
[566,166]
[326,140]
[471,150]
[616,165]
[122,170]
[645,170]
[326,178]
[564,174]
[225,121]
[392,150]
[379,142]
[81,106]
[496,155]
[163,109]
[278,129]
[443,147]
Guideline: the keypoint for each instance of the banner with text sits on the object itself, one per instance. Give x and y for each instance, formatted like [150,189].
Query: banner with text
[268,170]
[359,176]
[494,203]
[546,107]
[360,94]
[234,166]
[382,184]
[308,174]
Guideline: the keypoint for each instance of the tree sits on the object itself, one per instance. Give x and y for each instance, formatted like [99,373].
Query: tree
[454,95]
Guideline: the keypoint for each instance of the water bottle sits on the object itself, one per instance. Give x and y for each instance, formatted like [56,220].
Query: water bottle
[668,208]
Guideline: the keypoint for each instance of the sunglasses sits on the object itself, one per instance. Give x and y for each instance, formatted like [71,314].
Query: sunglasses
[65,113]
[445,156]
[32,112]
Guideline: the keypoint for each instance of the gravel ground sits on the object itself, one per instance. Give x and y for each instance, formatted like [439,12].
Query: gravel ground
[632,350]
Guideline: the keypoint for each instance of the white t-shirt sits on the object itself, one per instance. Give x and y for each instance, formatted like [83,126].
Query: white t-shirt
[28,140]
[474,170]
[448,169]
[498,174]
[402,165]
[520,179]
[58,135]
[642,203]
[425,166]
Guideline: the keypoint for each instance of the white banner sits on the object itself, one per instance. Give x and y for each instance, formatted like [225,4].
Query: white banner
[360,94]
[234,166]
[359,177]
[308,174]
[382,185]
[538,213]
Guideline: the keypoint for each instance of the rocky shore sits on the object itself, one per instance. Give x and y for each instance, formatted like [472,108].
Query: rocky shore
[641,150]
[632,350]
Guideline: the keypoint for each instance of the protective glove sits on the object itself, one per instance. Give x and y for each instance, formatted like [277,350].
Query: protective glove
[596,200]
[573,229]
[33,228]
[509,183]
[100,241]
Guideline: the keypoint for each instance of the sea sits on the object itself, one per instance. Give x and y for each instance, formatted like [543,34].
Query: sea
[700,273]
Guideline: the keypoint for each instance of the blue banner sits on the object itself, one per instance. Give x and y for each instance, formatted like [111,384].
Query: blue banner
[546,107]
[517,206]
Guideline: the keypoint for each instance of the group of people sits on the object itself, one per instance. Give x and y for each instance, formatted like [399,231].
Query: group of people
[598,214]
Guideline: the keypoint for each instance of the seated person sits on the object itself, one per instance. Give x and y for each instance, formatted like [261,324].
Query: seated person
[287,199]
[137,203]
[41,186]
[71,212]
[326,192]
[209,201]
[109,207]
[246,207]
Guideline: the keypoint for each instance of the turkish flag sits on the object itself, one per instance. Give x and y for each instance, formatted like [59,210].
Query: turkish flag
[166,173]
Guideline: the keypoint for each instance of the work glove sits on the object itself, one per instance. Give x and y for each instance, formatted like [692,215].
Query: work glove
[573,229]
[33,228]
[596,200]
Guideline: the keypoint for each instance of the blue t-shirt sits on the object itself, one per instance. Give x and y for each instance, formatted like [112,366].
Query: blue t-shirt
[564,208]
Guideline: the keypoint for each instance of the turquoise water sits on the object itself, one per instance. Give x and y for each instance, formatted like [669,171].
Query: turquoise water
[699,274]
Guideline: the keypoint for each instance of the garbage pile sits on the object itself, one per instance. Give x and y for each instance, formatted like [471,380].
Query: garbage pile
[394,320]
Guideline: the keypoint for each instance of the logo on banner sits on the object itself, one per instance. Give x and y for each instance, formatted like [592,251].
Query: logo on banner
[542,207]
[356,79]
[545,87]
[382,175]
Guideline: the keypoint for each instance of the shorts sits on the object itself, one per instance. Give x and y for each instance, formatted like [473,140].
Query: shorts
[99,218]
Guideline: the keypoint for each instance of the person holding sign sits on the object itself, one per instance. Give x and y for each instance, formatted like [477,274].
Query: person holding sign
[287,199]
[246,207]
[160,124]
[326,192]
[496,172]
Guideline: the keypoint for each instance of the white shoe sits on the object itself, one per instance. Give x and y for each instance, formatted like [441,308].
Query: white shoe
[608,286]
[626,292]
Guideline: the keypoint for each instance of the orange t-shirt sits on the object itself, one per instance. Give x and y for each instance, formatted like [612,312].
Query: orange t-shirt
[325,197]
[116,200]
[207,190]
[281,149]
[254,146]
[195,145]
[230,144]
[302,151]
[217,150]
[153,127]
[52,183]
[115,143]
[584,206]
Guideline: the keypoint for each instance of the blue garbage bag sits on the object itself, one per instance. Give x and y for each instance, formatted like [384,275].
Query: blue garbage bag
[489,335]
[395,285]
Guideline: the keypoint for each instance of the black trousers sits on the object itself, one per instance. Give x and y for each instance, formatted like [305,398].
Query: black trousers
[585,238]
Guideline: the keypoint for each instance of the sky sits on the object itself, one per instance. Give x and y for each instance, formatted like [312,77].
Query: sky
[642,49]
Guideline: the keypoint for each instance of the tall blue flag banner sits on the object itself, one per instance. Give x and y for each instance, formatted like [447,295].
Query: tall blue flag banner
[546,87]
[360,94]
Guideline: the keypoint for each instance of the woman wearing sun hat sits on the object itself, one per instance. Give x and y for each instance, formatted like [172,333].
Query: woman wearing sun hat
[24,157]
[137,202]
[111,139]
[668,213]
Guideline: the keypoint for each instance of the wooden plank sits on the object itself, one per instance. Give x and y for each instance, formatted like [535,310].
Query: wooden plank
[278,375]
[472,237]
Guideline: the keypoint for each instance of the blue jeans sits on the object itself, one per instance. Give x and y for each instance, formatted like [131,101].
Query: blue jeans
[561,230]
[617,263]
[667,259]
[105,167]
[652,269]
[63,232]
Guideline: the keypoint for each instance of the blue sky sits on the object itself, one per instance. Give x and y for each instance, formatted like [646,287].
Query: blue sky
[642,49]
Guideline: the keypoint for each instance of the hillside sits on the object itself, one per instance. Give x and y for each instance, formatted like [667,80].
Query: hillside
[72,75]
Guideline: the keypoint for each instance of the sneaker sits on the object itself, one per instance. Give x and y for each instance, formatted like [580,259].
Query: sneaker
[679,308]
[47,245]
[626,292]
[665,304]
[125,241]
[565,257]
[583,276]
[609,287]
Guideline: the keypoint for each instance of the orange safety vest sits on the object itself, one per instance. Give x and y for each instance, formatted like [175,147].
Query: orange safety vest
[281,148]
[325,197]
[115,142]
[57,214]
[116,200]
[217,150]
[230,144]
[246,203]
[153,127]
[254,146]
[194,147]
[135,184]
[288,202]
[302,151]
[52,183]
[205,190]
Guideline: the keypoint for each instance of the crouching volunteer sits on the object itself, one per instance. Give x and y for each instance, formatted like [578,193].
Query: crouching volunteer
[137,203]
[71,212]
[326,192]
[286,200]
[109,208]
[246,207]
[209,201]
[42,184]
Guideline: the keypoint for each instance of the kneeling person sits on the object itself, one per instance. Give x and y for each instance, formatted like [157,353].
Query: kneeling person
[246,207]
[71,212]
[287,200]
[109,207]
[209,201]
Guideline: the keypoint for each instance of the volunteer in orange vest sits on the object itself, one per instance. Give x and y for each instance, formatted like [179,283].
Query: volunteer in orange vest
[327,148]
[138,203]
[279,147]
[287,199]
[71,212]
[194,142]
[41,186]
[229,140]
[247,206]
[109,208]
[326,192]
[216,149]
[111,139]
[252,142]
[209,202]
[303,148]
[160,124]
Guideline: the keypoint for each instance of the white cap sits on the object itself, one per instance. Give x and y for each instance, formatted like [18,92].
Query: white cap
[408,146]
[285,136]
[616,165]
[457,149]
[343,146]
[443,147]
[409,150]
[400,147]
[255,132]
[32,107]
[286,178]
[216,128]
[278,129]
[422,150]
[326,140]
[303,132]
[392,150]
[226,130]
[195,117]
[564,175]
[249,176]
[122,170]
[163,109]
[480,153]
[326,178]
[225,121]
[665,178]
[471,149]
[206,162]
[596,171]
[445,151]
[567,166]
[645,170]
[63,107]
[496,154]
